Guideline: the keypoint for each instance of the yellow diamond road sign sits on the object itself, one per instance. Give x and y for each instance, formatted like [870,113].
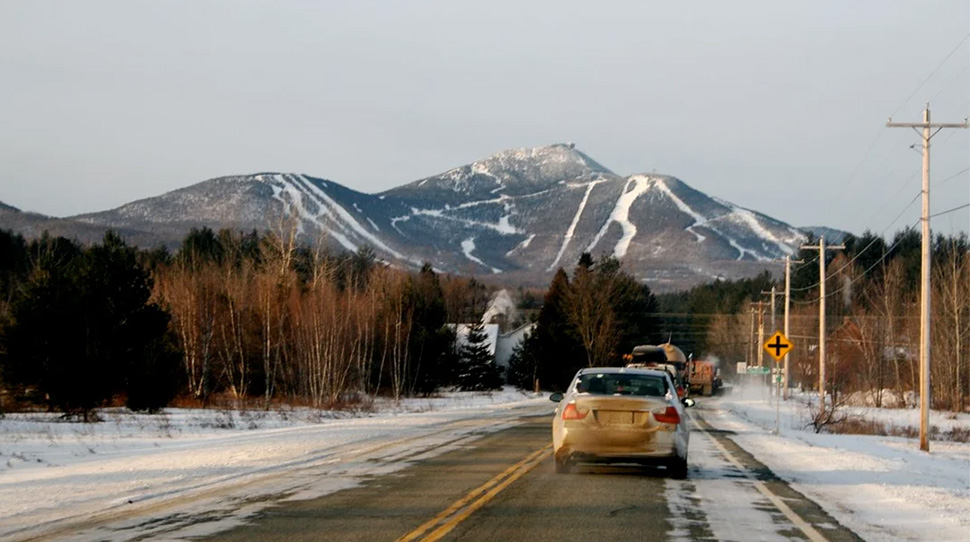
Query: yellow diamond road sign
[778,346]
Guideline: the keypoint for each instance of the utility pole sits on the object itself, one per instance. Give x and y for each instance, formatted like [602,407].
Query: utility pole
[751,338]
[773,326]
[761,334]
[759,352]
[821,316]
[924,309]
[775,381]
[788,262]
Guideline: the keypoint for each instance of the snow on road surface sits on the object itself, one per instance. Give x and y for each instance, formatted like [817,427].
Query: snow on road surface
[55,474]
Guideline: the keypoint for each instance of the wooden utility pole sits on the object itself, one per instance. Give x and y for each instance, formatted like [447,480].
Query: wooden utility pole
[821,248]
[773,326]
[788,262]
[758,352]
[751,337]
[924,309]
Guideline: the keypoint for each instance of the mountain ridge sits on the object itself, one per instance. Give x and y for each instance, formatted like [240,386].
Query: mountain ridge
[517,215]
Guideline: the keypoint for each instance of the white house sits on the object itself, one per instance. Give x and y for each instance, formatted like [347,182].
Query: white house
[507,343]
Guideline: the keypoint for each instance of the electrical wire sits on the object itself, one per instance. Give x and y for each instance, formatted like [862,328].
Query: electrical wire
[861,252]
[910,97]
[852,176]
[964,206]
[948,83]
[853,280]
[951,177]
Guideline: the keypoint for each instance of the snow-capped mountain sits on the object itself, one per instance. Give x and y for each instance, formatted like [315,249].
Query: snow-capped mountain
[519,214]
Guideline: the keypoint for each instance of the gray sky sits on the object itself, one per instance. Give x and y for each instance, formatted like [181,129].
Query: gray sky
[776,106]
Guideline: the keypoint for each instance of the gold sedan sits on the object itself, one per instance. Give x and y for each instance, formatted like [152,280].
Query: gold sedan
[621,415]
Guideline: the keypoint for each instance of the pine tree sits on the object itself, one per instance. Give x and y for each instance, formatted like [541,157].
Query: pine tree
[522,366]
[431,343]
[477,370]
[555,347]
[83,330]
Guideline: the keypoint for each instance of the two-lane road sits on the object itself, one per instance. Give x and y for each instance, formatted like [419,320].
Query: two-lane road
[503,487]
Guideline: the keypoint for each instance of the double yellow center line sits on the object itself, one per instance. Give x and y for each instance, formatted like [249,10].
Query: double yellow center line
[440,525]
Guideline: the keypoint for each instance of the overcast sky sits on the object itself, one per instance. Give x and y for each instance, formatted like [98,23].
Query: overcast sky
[776,106]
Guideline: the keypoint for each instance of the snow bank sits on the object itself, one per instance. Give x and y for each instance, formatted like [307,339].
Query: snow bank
[883,488]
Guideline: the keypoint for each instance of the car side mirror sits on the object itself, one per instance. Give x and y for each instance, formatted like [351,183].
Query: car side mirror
[688,402]
[556,397]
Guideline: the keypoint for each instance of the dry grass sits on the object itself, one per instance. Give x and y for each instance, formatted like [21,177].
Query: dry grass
[865,426]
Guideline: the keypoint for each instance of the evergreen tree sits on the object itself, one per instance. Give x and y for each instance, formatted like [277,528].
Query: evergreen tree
[431,343]
[82,329]
[13,264]
[555,347]
[477,370]
[522,366]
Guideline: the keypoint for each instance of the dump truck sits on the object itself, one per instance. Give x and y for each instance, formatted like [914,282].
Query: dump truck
[704,377]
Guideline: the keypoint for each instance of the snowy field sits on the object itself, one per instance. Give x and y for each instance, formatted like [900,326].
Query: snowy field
[55,474]
[882,488]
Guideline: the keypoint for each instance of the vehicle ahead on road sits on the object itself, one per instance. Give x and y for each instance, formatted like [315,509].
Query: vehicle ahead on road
[664,356]
[621,415]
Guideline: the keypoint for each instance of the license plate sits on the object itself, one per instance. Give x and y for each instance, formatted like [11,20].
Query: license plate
[614,417]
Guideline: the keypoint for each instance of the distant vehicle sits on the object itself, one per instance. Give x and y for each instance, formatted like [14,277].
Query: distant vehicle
[705,377]
[665,357]
[621,415]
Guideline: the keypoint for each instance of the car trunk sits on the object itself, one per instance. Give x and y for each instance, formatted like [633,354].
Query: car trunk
[614,411]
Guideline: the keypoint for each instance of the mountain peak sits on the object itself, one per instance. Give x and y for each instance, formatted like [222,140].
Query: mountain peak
[560,161]
[511,172]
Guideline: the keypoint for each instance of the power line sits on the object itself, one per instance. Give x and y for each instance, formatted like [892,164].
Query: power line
[964,206]
[856,170]
[947,85]
[951,177]
[861,252]
[864,273]
[910,97]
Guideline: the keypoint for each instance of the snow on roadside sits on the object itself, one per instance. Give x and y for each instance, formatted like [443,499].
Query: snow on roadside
[52,472]
[882,488]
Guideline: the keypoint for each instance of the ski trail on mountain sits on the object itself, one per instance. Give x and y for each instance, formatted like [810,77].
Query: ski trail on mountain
[295,201]
[572,227]
[326,200]
[621,214]
[752,221]
[701,220]
[467,247]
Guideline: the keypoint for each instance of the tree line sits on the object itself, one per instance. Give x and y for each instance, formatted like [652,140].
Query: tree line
[241,315]
[260,318]
[872,317]
[591,319]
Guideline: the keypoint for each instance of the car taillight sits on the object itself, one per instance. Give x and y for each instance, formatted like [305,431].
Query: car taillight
[681,392]
[669,415]
[573,413]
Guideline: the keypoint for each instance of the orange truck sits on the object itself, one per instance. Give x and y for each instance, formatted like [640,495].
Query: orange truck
[705,377]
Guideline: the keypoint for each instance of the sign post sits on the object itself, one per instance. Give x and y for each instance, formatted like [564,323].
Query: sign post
[778,346]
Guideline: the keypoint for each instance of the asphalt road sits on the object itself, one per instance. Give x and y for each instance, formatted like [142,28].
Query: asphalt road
[503,487]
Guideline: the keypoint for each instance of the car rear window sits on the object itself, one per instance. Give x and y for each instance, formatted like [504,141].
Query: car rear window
[621,384]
